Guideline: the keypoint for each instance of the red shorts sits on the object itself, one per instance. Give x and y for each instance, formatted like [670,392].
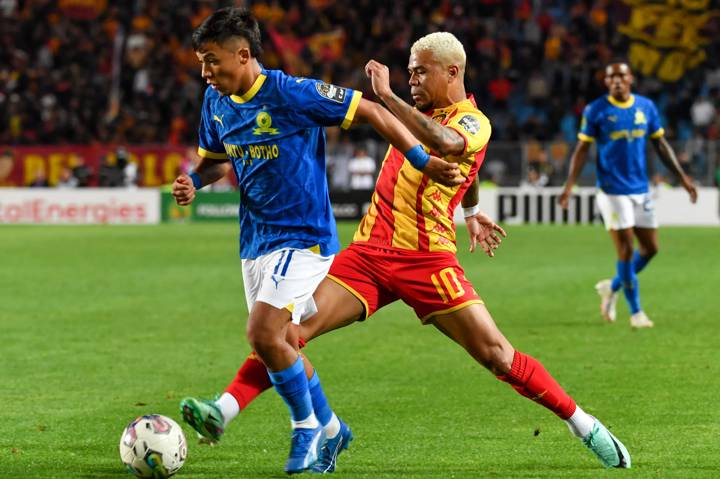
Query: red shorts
[430,283]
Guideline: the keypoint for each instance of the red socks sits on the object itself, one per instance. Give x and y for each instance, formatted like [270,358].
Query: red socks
[251,380]
[528,377]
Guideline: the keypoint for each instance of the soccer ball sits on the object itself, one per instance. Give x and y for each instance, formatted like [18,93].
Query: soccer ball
[153,446]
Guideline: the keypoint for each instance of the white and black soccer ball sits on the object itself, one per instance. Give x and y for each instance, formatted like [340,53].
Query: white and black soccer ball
[153,446]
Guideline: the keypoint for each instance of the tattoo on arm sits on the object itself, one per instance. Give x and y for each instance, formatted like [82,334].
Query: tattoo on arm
[442,139]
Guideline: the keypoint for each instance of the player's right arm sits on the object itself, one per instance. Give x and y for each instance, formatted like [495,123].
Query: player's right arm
[208,171]
[390,128]
[214,163]
[319,104]
[586,137]
[446,141]
[577,162]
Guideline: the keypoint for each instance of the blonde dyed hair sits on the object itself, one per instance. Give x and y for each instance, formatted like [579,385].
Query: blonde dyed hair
[445,46]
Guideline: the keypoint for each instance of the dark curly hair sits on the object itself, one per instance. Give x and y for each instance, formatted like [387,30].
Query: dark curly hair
[227,23]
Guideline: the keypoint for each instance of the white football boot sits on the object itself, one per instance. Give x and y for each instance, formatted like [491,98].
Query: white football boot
[608,300]
[640,320]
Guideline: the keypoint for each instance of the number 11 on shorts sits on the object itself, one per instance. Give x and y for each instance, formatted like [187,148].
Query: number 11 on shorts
[447,284]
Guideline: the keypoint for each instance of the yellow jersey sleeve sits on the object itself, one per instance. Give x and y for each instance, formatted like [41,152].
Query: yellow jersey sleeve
[474,127]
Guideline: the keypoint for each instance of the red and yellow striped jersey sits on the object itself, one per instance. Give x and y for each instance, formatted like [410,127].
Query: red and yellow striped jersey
[408,209]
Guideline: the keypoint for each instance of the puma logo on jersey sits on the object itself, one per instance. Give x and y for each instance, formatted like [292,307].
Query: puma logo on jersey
[219,119]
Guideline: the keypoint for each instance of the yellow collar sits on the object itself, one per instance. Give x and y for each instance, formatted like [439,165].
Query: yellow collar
[248,95]
[622,104]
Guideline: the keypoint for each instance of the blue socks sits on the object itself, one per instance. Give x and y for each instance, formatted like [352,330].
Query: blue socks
[626,272]
[292,385]
[638,262]
[319,401]
[305,398]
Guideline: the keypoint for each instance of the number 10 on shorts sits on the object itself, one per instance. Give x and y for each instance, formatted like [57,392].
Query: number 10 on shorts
[447,284]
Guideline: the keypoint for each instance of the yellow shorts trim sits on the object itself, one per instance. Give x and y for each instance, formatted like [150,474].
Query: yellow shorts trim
[353,292]
[425,319]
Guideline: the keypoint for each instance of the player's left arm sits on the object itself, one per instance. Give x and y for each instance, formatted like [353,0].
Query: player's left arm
[481,228]
[446,141]
[668,157]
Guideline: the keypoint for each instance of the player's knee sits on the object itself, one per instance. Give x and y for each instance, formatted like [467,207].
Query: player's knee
[496,357]
[650,252]
[626,252]
[261,339]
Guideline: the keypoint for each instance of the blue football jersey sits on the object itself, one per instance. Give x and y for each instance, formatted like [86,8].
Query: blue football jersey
[621,130]
[274,136]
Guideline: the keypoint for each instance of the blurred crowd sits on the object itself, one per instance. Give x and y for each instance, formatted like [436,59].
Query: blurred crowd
[77,71]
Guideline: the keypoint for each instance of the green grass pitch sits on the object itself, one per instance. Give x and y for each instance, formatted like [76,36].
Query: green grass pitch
[102,324]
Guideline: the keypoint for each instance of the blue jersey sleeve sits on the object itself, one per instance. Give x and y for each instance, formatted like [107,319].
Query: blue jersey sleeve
[317,103]
[588,129]
[209,144]
[654,125]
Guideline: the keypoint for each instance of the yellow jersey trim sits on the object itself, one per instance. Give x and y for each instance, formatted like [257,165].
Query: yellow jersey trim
[350,115]
[248,95]
[425,319]
[658,134]
[211,154]
[584,137]
[352,291]
[622,104]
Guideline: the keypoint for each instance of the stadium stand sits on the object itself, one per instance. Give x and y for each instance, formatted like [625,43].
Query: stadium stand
[124,73]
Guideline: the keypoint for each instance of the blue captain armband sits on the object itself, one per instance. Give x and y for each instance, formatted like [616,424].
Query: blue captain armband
[197,182]
[417,157]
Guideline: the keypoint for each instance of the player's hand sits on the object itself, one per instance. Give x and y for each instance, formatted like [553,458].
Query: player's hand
[565,198]
[687,183]
[485,232]
[379,74]
[442,172]
[183,190]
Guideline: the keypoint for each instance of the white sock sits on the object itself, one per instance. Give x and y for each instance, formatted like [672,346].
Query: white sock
[228,406]
[309,422]
[580,423]
[332,428]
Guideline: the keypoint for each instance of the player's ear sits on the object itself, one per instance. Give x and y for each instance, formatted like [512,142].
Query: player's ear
[243,54]
[453,72]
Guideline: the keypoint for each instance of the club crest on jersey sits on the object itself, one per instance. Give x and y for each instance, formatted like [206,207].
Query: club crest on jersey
[264,123]
[439,117]
[470,124]
[331,92]
[640,117]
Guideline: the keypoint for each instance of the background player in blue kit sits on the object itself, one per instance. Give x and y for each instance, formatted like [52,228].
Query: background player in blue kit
[268,127]
[620,124]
